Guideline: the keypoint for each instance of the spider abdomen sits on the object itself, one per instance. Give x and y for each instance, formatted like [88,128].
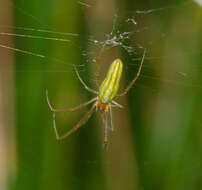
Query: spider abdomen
[110,85]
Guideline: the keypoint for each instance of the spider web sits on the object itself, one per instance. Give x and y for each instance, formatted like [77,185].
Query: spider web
[134,26]
[130,33]
[126,33]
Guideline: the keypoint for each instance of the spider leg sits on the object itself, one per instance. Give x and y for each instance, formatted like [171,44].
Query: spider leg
[105,137]
[111,119]
[135,78]
[97,65]
[115,104]
[106,117]
[82,121]
[84,84]
[68,109]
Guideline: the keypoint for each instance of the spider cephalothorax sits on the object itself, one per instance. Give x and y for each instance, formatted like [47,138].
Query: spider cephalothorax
[103,102]
[102,106]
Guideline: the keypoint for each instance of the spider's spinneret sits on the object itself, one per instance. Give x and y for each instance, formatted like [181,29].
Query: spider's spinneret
[110,85]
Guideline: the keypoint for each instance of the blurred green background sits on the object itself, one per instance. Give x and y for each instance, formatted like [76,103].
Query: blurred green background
[157,142]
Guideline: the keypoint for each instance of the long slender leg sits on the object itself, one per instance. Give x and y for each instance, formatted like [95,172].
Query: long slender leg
[111,119]
[68,109]
[116,104]
[82,121]
[84,84]
[105,116]
[105,137]
[136,77]
[97,66]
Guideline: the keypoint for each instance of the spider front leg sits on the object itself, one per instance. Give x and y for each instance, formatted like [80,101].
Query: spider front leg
[82,121]
[111,119]
[79,124]
[115,104]
[68,109]
[107,121]
[135,78]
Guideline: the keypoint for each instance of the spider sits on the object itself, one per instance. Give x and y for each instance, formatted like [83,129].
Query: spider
[104,100]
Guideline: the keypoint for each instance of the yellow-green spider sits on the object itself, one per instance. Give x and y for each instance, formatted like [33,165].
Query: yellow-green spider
[104,101]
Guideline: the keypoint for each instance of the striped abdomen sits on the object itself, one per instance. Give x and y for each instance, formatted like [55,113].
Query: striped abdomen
[110,85]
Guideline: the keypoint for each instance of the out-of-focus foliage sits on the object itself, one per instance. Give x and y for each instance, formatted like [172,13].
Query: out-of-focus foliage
[157,139]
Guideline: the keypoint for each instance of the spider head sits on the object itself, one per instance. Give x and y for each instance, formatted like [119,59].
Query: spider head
[102,106]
